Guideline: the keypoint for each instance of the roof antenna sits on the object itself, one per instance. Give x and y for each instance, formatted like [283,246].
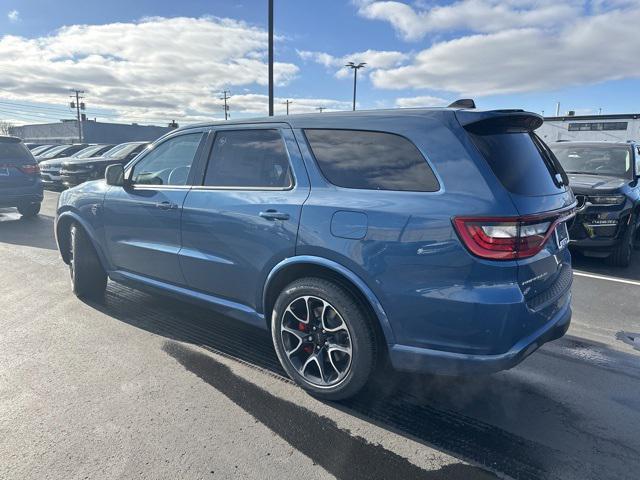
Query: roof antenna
[463,103]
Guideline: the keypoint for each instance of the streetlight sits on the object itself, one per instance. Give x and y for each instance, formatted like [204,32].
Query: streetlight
[271,58]
[355,67]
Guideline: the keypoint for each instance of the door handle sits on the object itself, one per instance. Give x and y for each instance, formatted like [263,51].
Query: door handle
[166,205]
[274,215]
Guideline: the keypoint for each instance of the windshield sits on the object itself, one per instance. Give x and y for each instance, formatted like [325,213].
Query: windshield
[610,160]
[122,150]
[14,151]
[87,152]
[42,148]
[53,152]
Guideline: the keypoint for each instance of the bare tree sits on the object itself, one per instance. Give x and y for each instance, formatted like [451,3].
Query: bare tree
[5,127]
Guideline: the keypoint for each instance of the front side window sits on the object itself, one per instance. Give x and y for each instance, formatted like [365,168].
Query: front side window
[169,163]
[371,160]
[248,159]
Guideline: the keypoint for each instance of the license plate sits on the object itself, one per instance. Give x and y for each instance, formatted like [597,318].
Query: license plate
[4,172]
[562,235]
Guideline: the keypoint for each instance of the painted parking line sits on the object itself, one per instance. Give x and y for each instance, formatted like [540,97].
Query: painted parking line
[604,277]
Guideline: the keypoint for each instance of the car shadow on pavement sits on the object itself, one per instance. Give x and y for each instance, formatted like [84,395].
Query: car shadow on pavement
[32,232]
[438,411]
[599,266]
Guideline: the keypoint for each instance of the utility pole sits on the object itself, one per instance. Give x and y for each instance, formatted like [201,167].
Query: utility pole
[355,67]
[320,109]
[557,109]
[78,106]
[226,96]
[271,58]
[287,103]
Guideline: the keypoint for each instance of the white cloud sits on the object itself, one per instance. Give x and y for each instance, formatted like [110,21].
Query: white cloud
[374,59]
[421,101]
[471,15]
[151,70]
[585,51]
[13,16]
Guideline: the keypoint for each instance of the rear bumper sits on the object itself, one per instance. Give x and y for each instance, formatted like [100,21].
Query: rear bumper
[12,197]
[416,359]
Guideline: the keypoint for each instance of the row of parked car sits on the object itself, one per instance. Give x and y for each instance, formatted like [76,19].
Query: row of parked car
[63,166]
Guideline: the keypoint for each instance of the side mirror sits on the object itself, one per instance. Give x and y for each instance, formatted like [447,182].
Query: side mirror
[114,175]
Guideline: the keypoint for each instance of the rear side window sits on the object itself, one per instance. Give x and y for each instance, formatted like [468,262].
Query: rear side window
[517,162]
[371,160]
[248,159]
[16,153]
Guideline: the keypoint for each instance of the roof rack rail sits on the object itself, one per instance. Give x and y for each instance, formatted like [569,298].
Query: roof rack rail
[463,103]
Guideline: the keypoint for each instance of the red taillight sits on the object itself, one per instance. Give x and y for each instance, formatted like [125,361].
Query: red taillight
[506,238]
[30,169]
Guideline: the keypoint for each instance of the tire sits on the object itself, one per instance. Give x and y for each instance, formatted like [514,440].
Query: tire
[29,210]
[347,328]
[621,255]
[88,278]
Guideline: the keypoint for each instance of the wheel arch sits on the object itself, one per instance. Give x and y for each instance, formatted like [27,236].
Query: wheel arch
[63,238]
[294,268]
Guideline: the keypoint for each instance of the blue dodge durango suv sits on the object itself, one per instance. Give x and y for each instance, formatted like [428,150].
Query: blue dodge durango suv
[20,184]
[432,238]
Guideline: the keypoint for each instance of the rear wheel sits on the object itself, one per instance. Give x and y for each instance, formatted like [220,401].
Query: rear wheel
[88,278]
[29,209]
[323,338]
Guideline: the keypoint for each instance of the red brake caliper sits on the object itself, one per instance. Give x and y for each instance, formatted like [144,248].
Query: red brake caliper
[303,328]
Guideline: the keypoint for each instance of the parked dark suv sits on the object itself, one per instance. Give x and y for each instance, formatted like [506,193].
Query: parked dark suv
[20,184]
[604,178]
[77,171]
[433,237]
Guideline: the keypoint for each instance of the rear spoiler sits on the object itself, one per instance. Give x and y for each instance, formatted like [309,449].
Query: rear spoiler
[498,121]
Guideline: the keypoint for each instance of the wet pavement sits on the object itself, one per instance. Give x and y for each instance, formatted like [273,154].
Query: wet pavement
[147,387]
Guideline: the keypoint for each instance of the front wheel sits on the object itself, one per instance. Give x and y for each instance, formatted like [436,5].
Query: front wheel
[29,210]
[621,255]
[88,278]
[323,338]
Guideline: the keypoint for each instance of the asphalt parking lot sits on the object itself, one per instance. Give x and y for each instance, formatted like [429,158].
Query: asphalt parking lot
[145,387]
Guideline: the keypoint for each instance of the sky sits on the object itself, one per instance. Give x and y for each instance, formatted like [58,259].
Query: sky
[153,61]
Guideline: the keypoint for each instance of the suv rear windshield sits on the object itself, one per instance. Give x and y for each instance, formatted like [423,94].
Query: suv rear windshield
[519,163]
[371,160]
[16,153]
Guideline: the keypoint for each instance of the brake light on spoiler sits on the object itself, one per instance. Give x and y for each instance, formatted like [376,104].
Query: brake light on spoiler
[508,238]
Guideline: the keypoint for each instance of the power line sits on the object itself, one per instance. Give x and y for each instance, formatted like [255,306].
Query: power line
[226,96]
[78,106]
[287,103]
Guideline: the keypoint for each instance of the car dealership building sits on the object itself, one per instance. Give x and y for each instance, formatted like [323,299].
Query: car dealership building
[66,131]
[615,128]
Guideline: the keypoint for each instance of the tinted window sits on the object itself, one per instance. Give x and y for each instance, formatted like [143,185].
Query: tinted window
[168,163]
[248,158]
[15,152]
[611,160]
[371,160]
[517,162]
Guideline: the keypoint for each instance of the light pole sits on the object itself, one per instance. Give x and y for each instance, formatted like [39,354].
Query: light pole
[355,67]
[271,58]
